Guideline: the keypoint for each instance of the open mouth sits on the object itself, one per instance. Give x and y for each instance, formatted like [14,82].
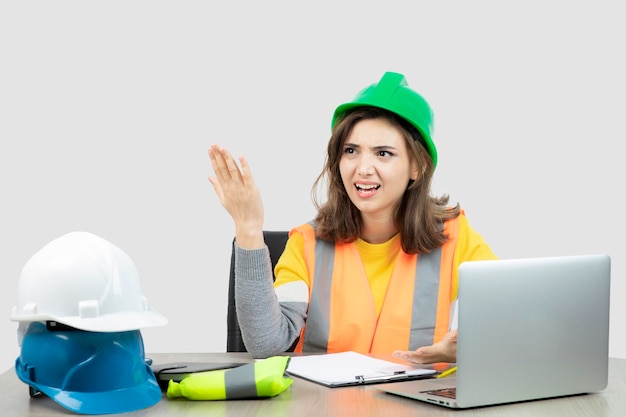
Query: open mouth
[368,187]
[365,189]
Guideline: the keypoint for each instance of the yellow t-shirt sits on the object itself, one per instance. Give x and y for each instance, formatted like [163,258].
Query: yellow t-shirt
[378,261]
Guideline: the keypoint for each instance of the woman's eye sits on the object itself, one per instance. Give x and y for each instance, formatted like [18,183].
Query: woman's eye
[348,150]
[384,153]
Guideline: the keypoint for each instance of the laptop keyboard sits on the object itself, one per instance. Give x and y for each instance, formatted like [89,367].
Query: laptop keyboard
[443,392]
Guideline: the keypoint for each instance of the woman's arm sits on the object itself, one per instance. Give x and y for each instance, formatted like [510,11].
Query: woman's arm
[268,327]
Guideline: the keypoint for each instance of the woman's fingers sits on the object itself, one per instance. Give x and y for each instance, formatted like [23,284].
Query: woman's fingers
[235,187]
[246,172]
[224,165]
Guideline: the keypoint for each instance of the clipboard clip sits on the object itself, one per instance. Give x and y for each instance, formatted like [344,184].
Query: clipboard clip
[362,379]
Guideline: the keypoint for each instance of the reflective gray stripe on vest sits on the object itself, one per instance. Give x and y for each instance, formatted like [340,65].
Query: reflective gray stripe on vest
[240,383]
[318,318]
[425,297]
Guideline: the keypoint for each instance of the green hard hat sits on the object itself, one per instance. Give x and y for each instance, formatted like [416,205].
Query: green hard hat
[392,93]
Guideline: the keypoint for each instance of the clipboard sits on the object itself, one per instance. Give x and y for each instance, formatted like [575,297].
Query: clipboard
[351,368]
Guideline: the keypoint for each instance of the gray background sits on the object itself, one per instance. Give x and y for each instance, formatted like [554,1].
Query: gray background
[107,109]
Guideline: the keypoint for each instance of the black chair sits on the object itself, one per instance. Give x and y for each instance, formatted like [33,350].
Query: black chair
[275,241]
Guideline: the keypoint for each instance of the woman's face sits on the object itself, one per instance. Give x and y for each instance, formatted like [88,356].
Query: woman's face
[376,167]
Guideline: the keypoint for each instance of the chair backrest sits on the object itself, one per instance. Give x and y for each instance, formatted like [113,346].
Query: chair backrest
[275,241]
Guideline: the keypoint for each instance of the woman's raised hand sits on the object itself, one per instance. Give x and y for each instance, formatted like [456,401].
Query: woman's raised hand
[239,195]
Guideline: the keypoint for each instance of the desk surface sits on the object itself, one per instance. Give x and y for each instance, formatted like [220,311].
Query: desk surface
[304,398]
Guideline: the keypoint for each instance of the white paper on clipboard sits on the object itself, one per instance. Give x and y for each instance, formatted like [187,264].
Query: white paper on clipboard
[352,368]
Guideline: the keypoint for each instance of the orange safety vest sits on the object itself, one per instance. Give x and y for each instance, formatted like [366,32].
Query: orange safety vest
[341,314]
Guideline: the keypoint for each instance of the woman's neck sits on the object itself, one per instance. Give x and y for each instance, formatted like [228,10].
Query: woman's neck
[378,231]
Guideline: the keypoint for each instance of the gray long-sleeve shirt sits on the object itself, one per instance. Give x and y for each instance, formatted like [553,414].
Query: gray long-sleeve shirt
[268,327]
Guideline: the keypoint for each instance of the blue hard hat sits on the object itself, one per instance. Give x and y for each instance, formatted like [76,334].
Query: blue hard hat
[88,372]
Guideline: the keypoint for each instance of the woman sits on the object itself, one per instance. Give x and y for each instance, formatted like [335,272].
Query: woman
[377,269]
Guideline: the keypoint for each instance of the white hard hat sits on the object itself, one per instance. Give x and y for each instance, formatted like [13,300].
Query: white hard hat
[83,281]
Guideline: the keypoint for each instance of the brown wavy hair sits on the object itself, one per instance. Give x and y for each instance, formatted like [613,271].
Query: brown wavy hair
[419,215]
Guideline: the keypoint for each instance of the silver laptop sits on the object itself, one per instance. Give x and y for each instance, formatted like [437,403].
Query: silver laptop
[528,329]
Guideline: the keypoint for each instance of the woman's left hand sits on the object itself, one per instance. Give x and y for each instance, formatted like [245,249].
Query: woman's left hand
[442,351]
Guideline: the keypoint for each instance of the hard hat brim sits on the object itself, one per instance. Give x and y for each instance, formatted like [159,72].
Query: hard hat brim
[129,399]
[114,322]
[428,143]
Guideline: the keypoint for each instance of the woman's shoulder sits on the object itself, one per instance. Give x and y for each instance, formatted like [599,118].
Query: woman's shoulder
[471,241]
[303,228]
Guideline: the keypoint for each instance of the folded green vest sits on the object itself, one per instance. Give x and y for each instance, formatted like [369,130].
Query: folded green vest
[263,378]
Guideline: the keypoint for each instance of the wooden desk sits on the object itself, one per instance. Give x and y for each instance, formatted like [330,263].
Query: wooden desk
[304,399]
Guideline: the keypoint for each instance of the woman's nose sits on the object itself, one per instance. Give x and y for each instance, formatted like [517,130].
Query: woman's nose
[365,167]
